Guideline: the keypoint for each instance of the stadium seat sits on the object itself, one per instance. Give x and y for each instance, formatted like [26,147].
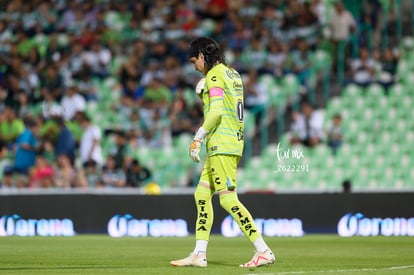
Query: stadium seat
[362,178]
[352,91]
[404,162]
[345,152]
[267,80]
[397,90]
[351,127]
[386,177]
[189,97]
[408,178]
[277,97]
[408,79]
[374,90]
[376,101]
[321,60]
[250,123]
[290,84]
[335,103]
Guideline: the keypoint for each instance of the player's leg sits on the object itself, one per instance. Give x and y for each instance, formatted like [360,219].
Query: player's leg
[204,223]
[205,215]
[224,174]
[263,255]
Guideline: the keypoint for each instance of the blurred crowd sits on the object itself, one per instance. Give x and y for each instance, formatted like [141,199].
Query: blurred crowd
[57,58]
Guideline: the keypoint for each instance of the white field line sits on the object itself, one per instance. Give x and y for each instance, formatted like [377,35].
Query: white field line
[336,270]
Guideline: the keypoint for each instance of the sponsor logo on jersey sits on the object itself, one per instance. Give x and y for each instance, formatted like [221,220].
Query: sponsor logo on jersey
[237,85]
[240,135]
[231,74]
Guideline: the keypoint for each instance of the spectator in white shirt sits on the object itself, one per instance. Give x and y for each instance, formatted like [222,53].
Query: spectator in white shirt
[90,143]
[98,60]
[255,95]
[72,102]
[341,25]
[307,126]
[363,69]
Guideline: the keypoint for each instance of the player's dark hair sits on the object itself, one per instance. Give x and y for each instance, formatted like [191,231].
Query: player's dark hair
[209,48]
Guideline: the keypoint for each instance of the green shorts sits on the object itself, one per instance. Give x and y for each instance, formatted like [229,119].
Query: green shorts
[220,171]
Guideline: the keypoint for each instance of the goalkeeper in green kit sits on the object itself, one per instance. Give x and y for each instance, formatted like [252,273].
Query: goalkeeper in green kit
[222,130]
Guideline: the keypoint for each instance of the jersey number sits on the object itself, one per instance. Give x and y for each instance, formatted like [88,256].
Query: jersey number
[240,110]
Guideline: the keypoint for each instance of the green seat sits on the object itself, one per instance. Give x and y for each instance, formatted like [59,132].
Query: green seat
[359,104]
[267,80]
[361,178]
[335,104]
[311,179]
[404,162]
[396,90]
[392,113]
[263,177]
[377,102]
[290,84]
[352,91]
[408,79]
[374,90]
[403,69]
[277,97]
[254,179]
[163,157]
[355,162]
[331,183]
[189,97]
[380,106]
[386,178]
[318,154]
[182,140]
[345,152]
[91,108]
[351,129]
[406,103]
[250,123]
[333,178]
[321,60]
[408,178]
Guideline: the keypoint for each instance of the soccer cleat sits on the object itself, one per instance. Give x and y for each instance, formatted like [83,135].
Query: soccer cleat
[260,259]
[191,260]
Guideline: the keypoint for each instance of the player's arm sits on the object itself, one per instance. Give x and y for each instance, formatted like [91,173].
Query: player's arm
[211,121]
[213,118]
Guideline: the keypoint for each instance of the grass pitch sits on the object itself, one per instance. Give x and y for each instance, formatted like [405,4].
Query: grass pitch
[100,254]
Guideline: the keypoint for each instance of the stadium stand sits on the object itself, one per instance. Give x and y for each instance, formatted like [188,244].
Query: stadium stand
[375,153]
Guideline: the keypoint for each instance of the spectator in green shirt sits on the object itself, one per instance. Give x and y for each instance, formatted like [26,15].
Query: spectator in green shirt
[158,93]
[10,126]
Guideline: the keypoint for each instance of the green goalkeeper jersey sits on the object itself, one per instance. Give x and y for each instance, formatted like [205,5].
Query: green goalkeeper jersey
[227,137]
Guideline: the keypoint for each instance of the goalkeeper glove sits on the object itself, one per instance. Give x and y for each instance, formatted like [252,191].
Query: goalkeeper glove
[200,87]
[194,149]
[195,146]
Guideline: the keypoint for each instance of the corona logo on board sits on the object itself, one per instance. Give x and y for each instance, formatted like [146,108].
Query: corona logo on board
[127,225]
[359,225]
[267,227]
[15,225]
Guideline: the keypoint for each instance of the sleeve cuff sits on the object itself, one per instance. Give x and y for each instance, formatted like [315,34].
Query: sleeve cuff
[201,133]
